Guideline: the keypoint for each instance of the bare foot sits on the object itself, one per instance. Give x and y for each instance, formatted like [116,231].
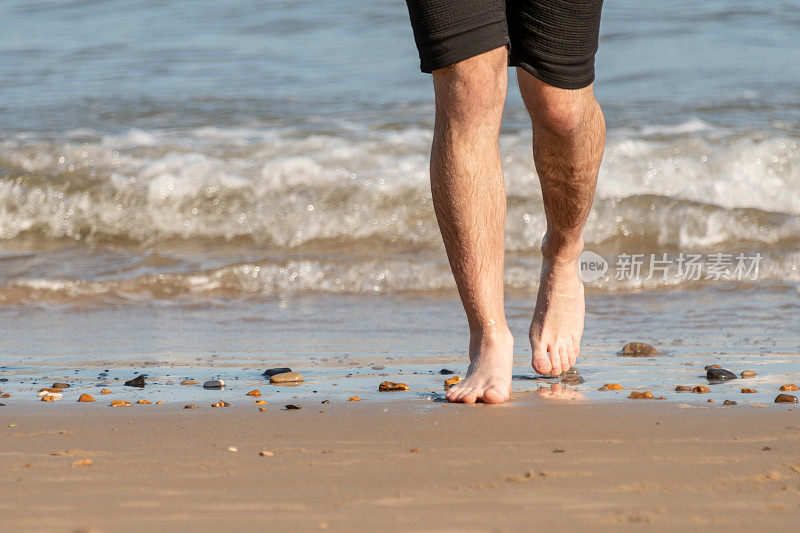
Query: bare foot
[557,391]
[557,323]
[488,378]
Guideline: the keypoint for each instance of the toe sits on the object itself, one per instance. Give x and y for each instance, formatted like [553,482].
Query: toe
[493,395]
[541,363]
[564,353]
[555,360]
[471,396]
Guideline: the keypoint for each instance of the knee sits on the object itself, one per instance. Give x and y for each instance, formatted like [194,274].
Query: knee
[563,114]
[474,87]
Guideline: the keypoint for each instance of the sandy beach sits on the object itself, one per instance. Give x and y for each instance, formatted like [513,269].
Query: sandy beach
[400,466]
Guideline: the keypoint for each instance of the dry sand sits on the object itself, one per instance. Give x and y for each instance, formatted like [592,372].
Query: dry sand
[399,466]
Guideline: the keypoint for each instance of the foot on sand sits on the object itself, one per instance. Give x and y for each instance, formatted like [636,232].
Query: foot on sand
[488,378]
[557,324]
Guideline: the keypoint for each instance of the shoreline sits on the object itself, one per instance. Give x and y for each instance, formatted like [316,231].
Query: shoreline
[348,466]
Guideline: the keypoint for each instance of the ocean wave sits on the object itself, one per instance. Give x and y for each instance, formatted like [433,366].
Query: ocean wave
[676,186]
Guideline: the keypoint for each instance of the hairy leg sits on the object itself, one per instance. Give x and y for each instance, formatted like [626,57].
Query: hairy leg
[568,143]
[469,200]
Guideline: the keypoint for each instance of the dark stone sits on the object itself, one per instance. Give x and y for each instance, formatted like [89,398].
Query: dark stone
[292,406]
[572,370]
[326,401]
[785,398]
[683,388]
[719,374]
[138,381]
[638,349]
[572,379]
[59,386]
[729,402]
[2,405]
[274,371]
[446,372]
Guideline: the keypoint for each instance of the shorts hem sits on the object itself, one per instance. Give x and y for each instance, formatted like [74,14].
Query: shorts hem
[465,45]
[555,81]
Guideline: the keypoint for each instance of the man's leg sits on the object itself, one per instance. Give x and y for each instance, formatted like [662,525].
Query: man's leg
[469,200]
[568,142]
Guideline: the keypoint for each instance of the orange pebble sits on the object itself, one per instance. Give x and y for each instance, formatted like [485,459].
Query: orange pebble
[86,398]
[354,399]
[159,403]
[646,395]
[105,391]
[261,402]
[700,389]
[120,403]
[789,387]
[48,398]
[611,386]
[748,391]
[143,402]
[255,393]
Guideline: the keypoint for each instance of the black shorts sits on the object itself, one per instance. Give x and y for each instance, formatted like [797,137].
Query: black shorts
[554,40]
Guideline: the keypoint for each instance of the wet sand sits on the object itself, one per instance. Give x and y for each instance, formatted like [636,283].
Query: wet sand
[399,466]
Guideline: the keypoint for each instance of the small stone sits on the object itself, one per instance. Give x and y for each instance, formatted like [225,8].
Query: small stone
[683,388]
[261,402]
[789,387]
[748,391]
[86,398]
[120,403]
[446,372]
[60,386]
[286,377]
[105,391]
[255,393]
[729,402]
[138,381]
[638,349]
[221,403]
[159,403]
[325,401]
[785,398]
[275,371]
[292,406]
[48,398]
[449,382]
[188,382]
[708,367]
[610,386]
[233,449]
[262,409]
[414,450]
[143,402]
[82,462]
[214,384]
[5,395]
[646,395]
[719,374]
[392,386]
[710,400]
[700,389]
[354,399]
[377,367]
[190,406]
[265,453]
[748,374]
[572,379]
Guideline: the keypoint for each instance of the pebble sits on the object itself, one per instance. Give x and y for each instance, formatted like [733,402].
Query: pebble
[449,382]
[683,388]
[274,371]
[377,367]
[572,378]
[748,374]
[789,387]
[159,403]
[700,389]
[221,403]
[646,395]
[86,398]
[138,381]
[48,398]
[748,391]
[144,402]
[262,409]
[261,402]
[286,377]
[354,399]
[5,395]
[188,382]
[785,398]
[265,453]
[190,406]
[291,406]
[711,366]
[638,349]
[214,384]
[233,449]
[719,374]
[82,462]
[325,401]
[710,400]
[610,386]
[255,393]
[729,402]
[392,386]
[120,403]
[105,391]
[446,372]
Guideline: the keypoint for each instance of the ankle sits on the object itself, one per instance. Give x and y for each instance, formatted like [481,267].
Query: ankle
[560,249]
[494,331]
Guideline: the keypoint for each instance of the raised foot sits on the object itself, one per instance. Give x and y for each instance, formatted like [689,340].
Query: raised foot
[488,378]
[557,324]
